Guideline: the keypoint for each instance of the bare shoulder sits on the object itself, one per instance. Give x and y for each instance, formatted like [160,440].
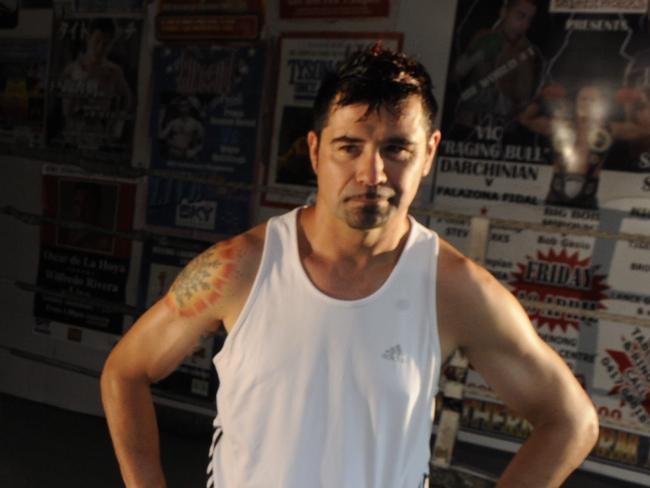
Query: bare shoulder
[219,278]
[472,304]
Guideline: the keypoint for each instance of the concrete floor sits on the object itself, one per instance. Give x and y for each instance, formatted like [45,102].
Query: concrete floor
[44,446]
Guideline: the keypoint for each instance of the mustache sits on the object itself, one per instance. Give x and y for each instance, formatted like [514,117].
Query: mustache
[370,193]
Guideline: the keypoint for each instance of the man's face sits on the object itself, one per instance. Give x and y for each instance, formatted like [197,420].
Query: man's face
[516,19]
[369,166]
[591,104]
[98,44]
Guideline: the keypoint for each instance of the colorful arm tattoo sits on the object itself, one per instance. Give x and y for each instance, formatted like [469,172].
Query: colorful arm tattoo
[201,282]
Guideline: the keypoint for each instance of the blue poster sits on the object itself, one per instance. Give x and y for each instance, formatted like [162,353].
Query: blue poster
[206,106]
[194,206]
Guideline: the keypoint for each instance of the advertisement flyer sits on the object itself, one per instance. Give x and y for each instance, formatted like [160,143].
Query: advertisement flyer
[609,358]
[195,378]
[547,103]
[23,71]
[82,261]
[304,9]
[303,61]
[92,87]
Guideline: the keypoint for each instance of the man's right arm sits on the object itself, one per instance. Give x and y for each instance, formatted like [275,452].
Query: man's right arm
[209,291]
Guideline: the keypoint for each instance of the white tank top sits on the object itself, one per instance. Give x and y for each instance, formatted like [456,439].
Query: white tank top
[321,392]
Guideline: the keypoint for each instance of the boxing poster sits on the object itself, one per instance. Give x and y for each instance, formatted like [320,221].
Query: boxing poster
[23,71]
[195,378]
[83,258]
[547,103]
[92,87]
[206,107]
[610,359]
[209,20]
[195,209]
[306,9]
[304,59]
[205,120]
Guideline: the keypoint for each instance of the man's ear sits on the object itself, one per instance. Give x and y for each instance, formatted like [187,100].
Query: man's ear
[312,142]
[432,147]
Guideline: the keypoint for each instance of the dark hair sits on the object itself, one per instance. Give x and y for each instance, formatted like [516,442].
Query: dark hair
[104,25]
[377,77]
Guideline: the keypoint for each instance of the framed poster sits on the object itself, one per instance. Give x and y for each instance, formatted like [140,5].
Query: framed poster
[304,58]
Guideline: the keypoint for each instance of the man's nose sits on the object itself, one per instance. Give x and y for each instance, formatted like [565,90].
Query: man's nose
[371,170]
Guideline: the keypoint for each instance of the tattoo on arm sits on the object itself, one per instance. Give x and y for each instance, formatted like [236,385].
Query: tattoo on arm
[201,282]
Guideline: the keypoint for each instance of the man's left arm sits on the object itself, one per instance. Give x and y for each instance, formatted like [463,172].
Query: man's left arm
[488,324]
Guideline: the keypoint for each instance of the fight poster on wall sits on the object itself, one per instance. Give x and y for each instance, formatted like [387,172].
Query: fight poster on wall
[610,359]
[209,20]
[205,119]
[195,377]
[547,103]
[93,87]
[81,261]
[304,59]
[305,9]
[195,209]
[23,71]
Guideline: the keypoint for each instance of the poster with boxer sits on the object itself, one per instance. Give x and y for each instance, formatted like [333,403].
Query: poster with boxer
[82,257]
[23,80]
[205,120]
[304,58]
[194,379]
[92,87]
[531,118]
[205,108]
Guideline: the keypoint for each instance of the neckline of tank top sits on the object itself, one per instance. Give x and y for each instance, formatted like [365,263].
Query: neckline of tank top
[357,302]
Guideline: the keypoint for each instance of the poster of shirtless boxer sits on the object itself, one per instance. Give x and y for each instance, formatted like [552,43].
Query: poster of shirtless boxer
[93,87]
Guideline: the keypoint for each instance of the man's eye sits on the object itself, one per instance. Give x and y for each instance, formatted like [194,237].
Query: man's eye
[397,151]
[349,149]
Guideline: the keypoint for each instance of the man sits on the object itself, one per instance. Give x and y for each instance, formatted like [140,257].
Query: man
[497,71]
[339,316]
[183,134]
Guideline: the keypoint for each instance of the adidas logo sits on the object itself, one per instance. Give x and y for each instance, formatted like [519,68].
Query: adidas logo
[395,354]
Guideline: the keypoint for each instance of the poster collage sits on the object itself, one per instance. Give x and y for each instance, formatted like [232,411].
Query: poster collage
[546,120]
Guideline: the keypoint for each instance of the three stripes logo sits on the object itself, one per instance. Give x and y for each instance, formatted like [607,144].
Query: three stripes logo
[395,354]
